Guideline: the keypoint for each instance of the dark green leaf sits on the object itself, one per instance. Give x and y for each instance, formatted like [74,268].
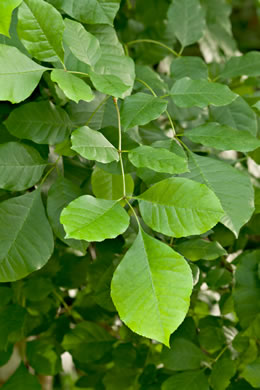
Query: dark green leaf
[140,109]
[200,93]
[232,187]
[22,380]
[187,20]
[247,64]
[21,166]
[27,241]
[192,67]
[92,12]
[198,249]
[40,122]
[88,342]
[187,380]
[223,137]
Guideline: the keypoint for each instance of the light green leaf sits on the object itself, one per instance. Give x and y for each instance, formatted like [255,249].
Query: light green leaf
[6,10]
[246,293]
[106,185]
[223,137]
[40,28]
[238,115]
[22,380]
[88,342]
[26,237]
[195,380]
[247,64]
[223,370]
[140,109]
[187,20]
[91,219]
[232,187]
[21,166]
[151,288]
[179,207]
[192,67]
[40,122]
[109,84]
[257,105]
[92,145]
[73,87]
[183,355]
[158,159]
[82,44]
[60,194]
[198,249]
[92,11]
[251,373]
[19,75]
[113,62]
[200,93]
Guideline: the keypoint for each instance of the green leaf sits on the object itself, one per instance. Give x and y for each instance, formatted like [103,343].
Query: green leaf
[82,44]
[92,12]
[246,293]
[40,28]
[187,20]
[60,194]
[195,380]
[106,185]
[192,67]
[223,137]
[223,370]
[19,75]
[21,166]
[179,207]
[88,342]
[27,241]
[245,65]
[151,288]
[37,288]
[200,249]
[92,145]
[73,87]
[109,84]
[183,355]
[40,122]
[251,373]
[91,219]
[140,109]
[12,324]
[238,115]
[200,93]
[43,357]
[232,187]
[158,159]
[22,380]
[6,10]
